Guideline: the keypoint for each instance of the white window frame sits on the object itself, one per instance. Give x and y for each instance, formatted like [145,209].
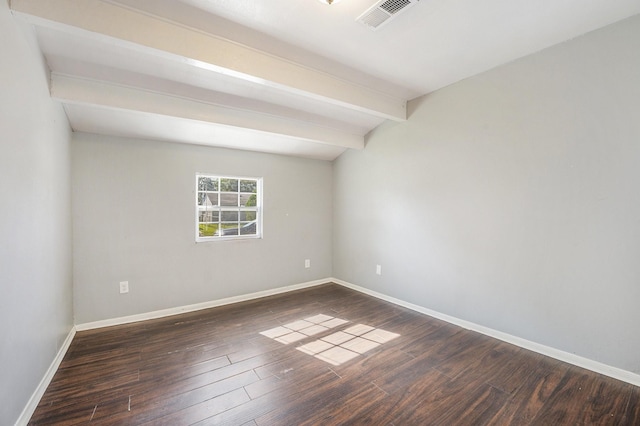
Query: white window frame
[257,209]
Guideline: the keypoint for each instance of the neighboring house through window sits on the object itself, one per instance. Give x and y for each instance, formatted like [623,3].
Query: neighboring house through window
[228,207]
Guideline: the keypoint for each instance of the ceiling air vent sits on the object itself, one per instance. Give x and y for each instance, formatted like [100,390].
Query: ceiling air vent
[383,12]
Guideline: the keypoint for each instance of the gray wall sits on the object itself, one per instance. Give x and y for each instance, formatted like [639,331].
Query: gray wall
[511,200]
[133,220]
[35,220]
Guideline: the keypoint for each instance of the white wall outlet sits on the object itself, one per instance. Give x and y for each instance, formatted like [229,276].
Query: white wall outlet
[378,270]
[124,286]
[307,263]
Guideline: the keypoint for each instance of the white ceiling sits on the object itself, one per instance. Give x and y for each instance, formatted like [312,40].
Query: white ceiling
[294,77]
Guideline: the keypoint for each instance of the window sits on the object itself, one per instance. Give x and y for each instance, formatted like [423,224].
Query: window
[228,207]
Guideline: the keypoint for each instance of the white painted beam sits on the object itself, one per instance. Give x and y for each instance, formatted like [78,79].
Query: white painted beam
[68,89]
[152,35]
[141,125]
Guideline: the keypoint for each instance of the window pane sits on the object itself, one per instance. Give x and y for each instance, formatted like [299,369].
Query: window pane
[208,199]
[230,216]
[229,185]
[248,228]
[229,229]
[209,216]
[248,200]
[207,184]
[208,229]
[249,186]
[246,216]
[229,199]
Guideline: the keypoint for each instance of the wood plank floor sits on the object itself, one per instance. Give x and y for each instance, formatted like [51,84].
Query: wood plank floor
[214,367]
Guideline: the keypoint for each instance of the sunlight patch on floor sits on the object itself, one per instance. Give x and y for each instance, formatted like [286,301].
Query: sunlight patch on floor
[336,348]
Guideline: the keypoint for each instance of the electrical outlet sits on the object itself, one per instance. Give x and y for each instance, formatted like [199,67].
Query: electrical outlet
[124,287]
[307,263]
[378,270]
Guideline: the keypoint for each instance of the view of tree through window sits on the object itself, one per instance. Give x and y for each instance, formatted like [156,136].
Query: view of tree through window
[228,207]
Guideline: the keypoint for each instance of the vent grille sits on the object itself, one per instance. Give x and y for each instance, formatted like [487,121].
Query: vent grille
[393,6]
[383,12]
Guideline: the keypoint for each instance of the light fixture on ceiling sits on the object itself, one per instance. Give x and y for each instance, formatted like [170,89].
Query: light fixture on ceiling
[329,1]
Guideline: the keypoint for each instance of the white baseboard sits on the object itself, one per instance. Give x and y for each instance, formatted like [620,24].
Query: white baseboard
[597,367]
[31,406]
[195,307]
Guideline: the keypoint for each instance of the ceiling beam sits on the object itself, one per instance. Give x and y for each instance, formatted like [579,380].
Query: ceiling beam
[74,90]
[152,35]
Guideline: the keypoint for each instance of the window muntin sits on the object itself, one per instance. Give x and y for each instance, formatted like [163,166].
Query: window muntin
[228,207]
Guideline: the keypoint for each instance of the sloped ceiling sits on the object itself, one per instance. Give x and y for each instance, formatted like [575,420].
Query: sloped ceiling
[294,77]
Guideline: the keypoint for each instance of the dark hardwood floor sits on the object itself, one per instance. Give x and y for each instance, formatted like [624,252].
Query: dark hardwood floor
[214,367]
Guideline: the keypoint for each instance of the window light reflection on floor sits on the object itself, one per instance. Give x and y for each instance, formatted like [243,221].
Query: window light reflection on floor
[336,348]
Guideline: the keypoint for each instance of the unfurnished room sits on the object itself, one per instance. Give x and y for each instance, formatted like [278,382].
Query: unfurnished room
[320,212]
